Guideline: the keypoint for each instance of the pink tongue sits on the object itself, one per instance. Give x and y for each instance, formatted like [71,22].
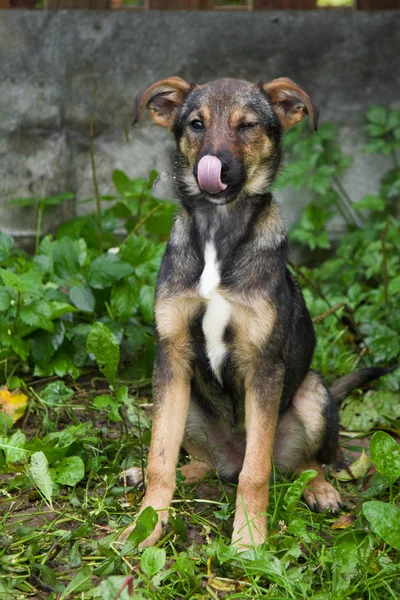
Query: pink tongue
[209,174]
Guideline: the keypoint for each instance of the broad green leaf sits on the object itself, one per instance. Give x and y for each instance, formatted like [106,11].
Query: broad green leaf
[370,202]
[152,561]
[40,475]
[145,525]
[68,471]
[110,589]
[107,269]
[385,452]
[5,299]
[384,519]
[121,181]
[44,344]
[147,302]
[102,344]
[66,259]
[377,114]
[13,447]
[82,297]
[6,244]
[38,314]
[81,582]
[125,298]
[56,394]
[295,490]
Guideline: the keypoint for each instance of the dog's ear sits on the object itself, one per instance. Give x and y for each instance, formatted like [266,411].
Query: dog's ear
[290,102]
[162,99]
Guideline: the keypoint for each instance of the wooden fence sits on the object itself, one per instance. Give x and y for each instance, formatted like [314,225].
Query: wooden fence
[194,4]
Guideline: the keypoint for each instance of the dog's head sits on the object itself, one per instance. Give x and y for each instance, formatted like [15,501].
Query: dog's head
[228,132]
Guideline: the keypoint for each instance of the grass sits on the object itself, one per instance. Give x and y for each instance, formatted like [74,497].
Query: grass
[70,550]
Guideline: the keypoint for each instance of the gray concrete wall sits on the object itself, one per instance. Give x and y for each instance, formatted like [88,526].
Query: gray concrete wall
[56,68]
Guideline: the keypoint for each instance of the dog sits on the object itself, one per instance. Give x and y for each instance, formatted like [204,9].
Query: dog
[232,381]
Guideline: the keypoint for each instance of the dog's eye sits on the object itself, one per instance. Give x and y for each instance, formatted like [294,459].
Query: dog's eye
[197,124]
[248,125]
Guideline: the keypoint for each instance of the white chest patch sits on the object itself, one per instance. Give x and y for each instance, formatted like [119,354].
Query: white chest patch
[218,310]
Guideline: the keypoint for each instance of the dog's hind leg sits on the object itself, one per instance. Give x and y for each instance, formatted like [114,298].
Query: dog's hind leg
[306,436]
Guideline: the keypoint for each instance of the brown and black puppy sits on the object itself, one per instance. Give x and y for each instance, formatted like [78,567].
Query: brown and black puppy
[232,380]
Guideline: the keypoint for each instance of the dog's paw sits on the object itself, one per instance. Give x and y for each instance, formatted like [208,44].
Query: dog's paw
[132,477]
[322,496]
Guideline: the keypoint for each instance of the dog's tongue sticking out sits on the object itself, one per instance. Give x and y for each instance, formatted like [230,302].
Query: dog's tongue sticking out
[209,174]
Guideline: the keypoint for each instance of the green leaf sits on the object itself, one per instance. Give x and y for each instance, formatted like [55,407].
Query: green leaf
[23,202]
[384,520]
[6,244]
[145,525]
[121,181]
[295,490]
[377,114]
[80,583]
[102,344]
[385,453]
[5,299]
[82,297]
[37,314]
[152,561]
[110,589]
[57,200]
[44,344]
[146,302]
[40,475]
[56,393]
[68,471]
[13,447]
[107,269]
[66,259]
[125,298]
[370,202]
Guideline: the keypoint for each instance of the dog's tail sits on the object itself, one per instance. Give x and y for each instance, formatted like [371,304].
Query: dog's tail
[341,388]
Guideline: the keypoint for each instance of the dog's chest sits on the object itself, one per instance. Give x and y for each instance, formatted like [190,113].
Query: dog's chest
[218,310]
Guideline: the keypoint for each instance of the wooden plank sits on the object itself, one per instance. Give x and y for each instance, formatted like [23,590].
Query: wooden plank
[284,4]
[377,4]
[180,4]
[77,4]
[4,4]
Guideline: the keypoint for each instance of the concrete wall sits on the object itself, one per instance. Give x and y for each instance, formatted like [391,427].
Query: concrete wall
[56,68]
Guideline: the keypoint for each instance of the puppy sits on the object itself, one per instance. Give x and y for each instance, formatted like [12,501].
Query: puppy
[232,380]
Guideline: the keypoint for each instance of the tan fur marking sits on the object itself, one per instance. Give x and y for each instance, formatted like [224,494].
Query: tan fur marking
[194,471]
[308,405]
[253,319]
[169,420]
[173,316]
[253,488]
[270,225]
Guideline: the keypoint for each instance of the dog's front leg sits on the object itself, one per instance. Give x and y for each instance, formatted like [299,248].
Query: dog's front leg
[171,391]
[261,410]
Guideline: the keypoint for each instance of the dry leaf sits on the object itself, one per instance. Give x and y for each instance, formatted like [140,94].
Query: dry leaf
[13,403]
[356,470]
[344,521]
[222,586]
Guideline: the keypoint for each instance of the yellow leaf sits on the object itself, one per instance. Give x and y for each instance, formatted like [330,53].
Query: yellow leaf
[13,403]
[344,521]
[222,586]
[356,470]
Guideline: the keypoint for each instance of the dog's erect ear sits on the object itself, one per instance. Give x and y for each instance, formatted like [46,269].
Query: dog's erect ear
[290,102]
[162,99]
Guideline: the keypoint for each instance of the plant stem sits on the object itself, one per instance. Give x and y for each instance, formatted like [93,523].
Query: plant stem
[95,184]
[347,201]
[385,271]
[143,221]
[39,226]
